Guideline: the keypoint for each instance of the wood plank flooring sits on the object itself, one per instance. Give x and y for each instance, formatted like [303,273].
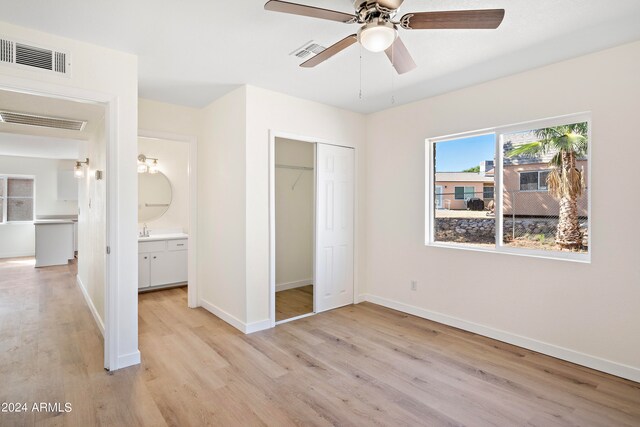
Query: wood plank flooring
[356,366]
[294,302]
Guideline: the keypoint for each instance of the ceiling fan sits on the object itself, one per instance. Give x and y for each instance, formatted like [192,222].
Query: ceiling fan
[379,31]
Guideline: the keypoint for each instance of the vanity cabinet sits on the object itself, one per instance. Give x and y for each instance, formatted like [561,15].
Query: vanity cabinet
[162,262]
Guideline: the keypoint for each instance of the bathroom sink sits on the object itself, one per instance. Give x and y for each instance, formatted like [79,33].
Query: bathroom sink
[167,236]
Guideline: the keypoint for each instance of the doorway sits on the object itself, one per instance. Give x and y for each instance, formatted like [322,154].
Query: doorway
[54,201]
[312,227]
[167,207]
[295,219]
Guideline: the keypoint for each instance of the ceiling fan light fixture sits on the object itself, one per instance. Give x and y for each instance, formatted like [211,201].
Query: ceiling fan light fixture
[377,36]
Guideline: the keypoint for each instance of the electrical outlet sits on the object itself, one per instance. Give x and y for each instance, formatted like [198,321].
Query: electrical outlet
[414,285]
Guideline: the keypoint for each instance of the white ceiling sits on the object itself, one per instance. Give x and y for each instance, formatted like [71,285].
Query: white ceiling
[192,52]
[34,141]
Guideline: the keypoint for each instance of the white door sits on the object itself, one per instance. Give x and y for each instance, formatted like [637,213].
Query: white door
[334,227]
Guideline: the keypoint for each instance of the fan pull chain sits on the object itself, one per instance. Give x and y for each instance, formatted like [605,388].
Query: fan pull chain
[360,94]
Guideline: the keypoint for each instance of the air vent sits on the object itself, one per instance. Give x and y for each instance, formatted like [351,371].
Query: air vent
[27,55]
[307,49]
[13,117]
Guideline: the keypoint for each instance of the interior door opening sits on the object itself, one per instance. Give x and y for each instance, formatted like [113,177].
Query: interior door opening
[312,227]
[54,204]
[294,225]
[166,192]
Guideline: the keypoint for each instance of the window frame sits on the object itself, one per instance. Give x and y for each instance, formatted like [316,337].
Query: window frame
[500,132]
[484,192]
[537,172]
[5,206]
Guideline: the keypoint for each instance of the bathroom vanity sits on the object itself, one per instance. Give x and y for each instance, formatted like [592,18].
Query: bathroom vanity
[162,261]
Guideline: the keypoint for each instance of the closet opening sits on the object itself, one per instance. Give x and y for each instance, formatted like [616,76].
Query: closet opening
[312,226]
[294,182]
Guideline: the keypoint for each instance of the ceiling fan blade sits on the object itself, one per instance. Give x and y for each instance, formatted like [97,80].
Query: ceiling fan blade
[313,12]
[330,51]
[400,57]
[454,19]
[390,4]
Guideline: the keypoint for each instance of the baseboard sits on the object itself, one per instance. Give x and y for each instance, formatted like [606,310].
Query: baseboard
[92,307]
[260,325]
[360,298]
[293,285]
[17,254]
[128,359]
[593,362]
[243,327]
[230,319]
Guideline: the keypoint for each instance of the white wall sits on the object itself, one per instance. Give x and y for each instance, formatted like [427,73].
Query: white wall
[294,214]
[107,75]
[19,239]
[271,111]
[173,162]
[157,116]
[588,313]
[92,223]
[221,208]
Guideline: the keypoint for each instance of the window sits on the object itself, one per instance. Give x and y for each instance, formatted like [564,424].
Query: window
[541,165]
[16,199]
[459,178]
[464,193]
[534,181]
[487,192]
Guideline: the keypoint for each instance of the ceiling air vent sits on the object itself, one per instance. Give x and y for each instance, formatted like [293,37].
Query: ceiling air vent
[307,49]
[26,55]
[13,117]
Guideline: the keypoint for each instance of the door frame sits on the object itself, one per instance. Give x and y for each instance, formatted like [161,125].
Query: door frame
[273,134]
[192,141]
[110,102]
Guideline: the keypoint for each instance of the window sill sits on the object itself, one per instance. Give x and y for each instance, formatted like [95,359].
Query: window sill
[582,258]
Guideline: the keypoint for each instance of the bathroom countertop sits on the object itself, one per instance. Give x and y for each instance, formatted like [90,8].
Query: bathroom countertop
[169,236]
[53,221]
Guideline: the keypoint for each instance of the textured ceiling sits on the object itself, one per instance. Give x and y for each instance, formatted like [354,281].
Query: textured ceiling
[192,52]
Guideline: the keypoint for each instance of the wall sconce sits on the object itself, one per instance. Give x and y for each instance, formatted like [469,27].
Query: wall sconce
[147,164]
[78,169]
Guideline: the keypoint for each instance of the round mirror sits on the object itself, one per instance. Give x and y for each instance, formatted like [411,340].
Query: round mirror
[154,196]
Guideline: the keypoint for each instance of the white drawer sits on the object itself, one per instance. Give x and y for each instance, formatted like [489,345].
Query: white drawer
[177,245]
[157,246]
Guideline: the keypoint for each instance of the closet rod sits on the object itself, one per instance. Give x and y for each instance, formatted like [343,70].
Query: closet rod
[304,168]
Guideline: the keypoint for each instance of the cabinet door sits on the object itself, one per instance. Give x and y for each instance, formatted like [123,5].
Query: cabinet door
[168,267]
[143,270]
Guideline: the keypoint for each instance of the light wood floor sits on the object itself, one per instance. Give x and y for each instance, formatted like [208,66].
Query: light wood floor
[294,302]
[358,365]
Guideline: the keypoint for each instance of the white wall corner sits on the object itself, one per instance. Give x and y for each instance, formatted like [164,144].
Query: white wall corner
[361,298]
[92,307]
[593,362]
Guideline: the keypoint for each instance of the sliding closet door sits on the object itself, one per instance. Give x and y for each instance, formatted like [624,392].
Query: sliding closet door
[334,226]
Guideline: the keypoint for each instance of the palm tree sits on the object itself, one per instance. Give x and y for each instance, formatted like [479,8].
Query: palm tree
[565,181]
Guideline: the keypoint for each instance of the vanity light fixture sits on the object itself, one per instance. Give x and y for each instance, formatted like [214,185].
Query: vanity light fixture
[147,164]
[78,169]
